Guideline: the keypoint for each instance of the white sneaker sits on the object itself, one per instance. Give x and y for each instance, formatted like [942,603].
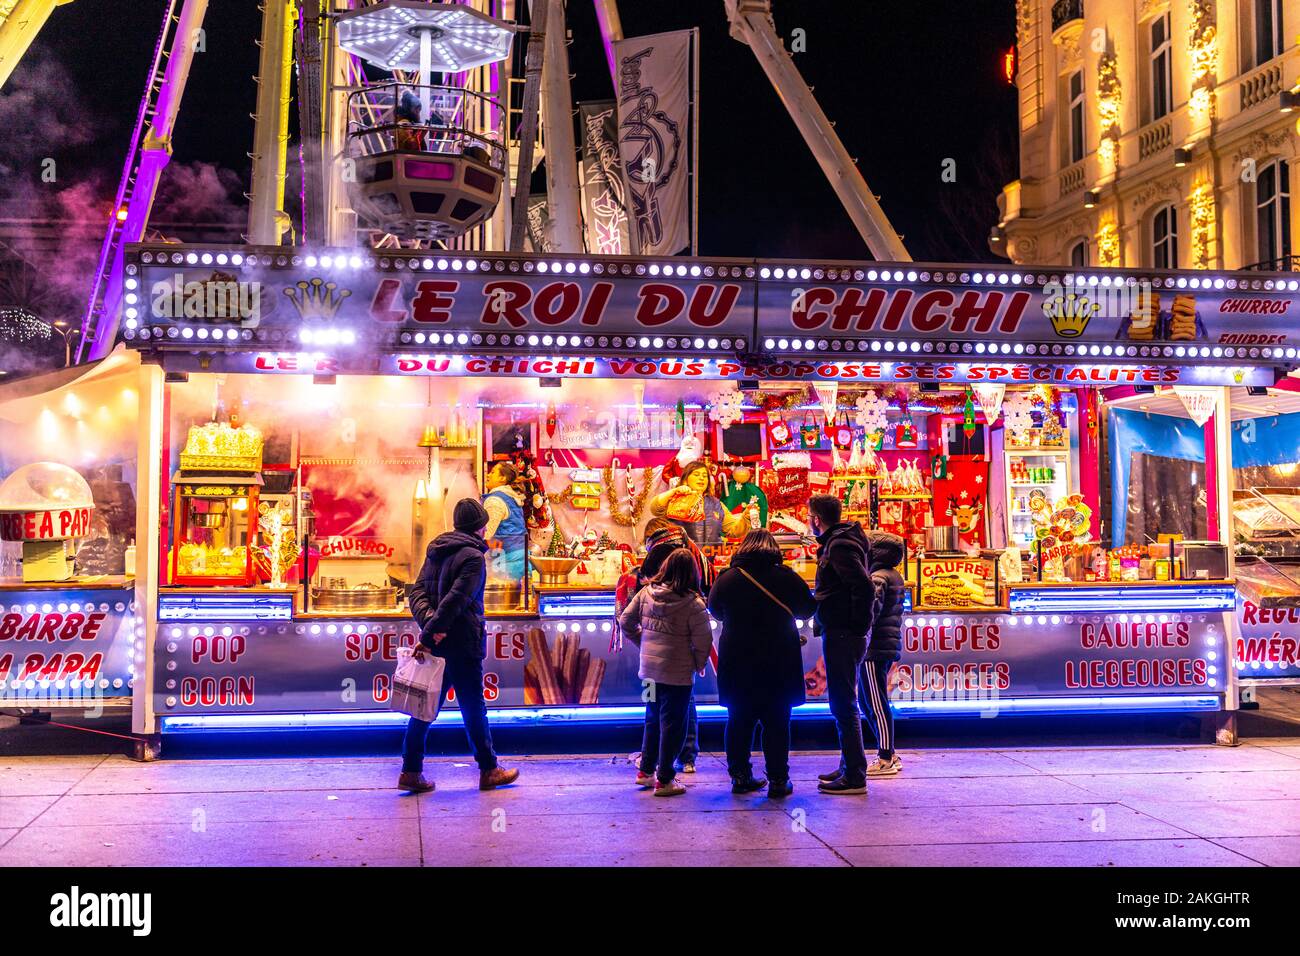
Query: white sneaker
[885,768]
[672,788]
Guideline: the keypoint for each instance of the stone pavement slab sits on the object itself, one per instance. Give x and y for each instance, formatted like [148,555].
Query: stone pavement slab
[1269,851]
[1205,786]
[1100,760]
[1242,818]
[21,811]
[843,825]
[1171,852]
[279,843]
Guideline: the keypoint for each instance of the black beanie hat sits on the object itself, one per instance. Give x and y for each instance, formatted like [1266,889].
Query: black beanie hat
[469,515]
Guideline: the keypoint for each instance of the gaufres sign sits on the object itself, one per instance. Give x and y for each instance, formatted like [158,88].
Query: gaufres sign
[752,301]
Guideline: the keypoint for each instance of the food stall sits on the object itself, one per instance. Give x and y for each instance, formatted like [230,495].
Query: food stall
[71,631]
[979,415]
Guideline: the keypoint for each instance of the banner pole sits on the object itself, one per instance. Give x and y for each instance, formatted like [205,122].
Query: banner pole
[695,140]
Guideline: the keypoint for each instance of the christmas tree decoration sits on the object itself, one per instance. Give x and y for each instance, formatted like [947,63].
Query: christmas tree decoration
[558,547]
[905,435]
[968,416]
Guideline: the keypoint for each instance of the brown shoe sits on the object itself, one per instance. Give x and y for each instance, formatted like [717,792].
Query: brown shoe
[414,783]
[497,777]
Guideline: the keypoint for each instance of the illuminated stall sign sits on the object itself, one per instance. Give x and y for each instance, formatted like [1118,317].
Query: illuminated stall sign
[1269,642]
[332,666]
[854,370]
[67,646]
[190,297]
[45,525]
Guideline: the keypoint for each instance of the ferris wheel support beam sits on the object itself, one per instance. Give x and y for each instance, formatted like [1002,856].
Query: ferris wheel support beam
[267,220]
[751,24]
[563,196]
[155,151]
[19,27]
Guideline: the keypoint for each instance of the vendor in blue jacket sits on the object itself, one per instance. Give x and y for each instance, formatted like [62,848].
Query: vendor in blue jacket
[446,600]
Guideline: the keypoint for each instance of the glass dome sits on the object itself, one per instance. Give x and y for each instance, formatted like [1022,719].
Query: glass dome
[45,486]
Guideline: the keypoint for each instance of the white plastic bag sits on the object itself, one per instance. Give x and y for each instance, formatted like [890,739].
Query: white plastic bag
[417,684]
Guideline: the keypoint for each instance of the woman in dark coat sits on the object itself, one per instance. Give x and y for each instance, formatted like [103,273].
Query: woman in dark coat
[760,664]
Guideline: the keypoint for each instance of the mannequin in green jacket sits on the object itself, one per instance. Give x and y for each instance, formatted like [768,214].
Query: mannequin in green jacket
[741,490]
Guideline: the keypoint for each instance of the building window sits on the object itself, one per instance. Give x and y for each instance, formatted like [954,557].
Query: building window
[1268,30]
[1162,82]
[1075,114]
[1273,214]
[1164,238]
[1079,254]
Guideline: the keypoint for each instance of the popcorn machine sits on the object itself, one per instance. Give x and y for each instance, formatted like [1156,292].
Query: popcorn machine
[214,512]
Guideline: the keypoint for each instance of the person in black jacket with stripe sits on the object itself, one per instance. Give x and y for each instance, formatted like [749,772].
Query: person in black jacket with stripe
[844,601]
[884,649]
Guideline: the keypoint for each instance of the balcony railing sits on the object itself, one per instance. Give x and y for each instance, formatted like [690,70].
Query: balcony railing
[1261,86]
[1284,264]
[1071,179]
[1156,138]
[1063,11]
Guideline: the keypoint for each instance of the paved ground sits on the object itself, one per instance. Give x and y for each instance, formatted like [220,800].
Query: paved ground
[1081,806]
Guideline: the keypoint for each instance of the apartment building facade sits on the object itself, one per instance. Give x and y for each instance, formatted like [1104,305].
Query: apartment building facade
[1155,134]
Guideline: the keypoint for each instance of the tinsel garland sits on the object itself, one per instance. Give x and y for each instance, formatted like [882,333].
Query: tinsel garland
[638,505]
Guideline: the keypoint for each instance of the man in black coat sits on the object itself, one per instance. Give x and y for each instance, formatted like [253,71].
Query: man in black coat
[447,602]
[844,595]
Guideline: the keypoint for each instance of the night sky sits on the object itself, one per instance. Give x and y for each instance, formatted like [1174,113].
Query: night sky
[909,85]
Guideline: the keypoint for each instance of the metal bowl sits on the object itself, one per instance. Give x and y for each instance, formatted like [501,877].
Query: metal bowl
[354,599]
[554,570]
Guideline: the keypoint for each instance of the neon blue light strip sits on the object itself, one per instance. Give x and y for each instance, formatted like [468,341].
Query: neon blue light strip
[225,607]
[1001,707]
[597,604]
[1117,600]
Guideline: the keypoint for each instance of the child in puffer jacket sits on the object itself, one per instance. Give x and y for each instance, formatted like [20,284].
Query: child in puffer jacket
[669,623]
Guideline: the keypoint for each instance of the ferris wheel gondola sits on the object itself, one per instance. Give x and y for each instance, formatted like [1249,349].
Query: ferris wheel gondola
[424,166]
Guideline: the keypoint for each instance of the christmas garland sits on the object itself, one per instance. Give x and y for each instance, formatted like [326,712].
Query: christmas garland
[638,502]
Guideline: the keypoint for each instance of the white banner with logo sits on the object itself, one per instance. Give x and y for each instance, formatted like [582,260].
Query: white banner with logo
[656,136]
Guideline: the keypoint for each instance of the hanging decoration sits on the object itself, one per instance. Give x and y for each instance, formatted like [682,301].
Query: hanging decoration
[968,416]
[905,431]
[638,396]
[1199,404]
[872,412]
[726,407]
[679,421]
[629,513]
[771,401]
[552,421]
[778,430]
[827,396]
[990,399]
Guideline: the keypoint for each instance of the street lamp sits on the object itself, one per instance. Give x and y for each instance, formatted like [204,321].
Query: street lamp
[67,335]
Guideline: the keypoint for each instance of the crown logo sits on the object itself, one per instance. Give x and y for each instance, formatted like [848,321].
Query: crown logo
[316,299]
[1070,314]
[1238,376]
